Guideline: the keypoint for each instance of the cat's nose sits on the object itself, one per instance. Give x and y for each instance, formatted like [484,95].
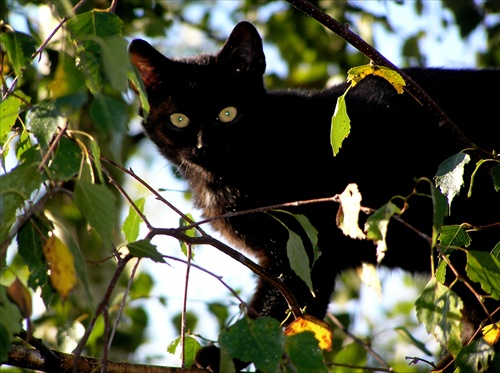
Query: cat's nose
[200,145]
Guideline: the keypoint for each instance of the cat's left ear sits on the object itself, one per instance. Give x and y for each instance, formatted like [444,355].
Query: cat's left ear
[243,50]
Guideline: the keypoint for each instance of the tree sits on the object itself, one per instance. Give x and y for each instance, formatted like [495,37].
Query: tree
[65,111]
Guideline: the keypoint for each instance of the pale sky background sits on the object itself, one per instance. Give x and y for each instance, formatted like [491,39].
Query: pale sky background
[443,48]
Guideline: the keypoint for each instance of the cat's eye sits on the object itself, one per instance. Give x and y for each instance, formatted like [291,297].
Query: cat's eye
[179,120]
[228,114]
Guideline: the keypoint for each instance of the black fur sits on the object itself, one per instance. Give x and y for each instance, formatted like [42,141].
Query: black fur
[277,150]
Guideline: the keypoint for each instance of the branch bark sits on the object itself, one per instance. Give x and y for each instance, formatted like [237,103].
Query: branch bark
[30,358]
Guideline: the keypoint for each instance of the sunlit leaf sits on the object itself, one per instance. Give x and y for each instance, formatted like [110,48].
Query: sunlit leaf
[319,328]
[260,341]
[20,47]
[95,22]
[376,227]
[348,213]
[450,175]
[97,203]
[454,235]
[191,232]
[61,264]
[491,333]
[484,268]
[341,125]
[144,249]
[358,73]
[16,188]
[439,309]
[43,120]
[133,221]
[9,110]
[191,348]
[475,357]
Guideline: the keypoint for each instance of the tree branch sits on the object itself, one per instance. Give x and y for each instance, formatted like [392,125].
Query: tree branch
[30,358]
[357,42]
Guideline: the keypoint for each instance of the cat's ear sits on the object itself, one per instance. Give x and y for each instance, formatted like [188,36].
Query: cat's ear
[148,61]
[243,50]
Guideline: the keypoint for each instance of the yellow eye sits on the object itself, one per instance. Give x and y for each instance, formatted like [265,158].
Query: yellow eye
[228,114]
[179,120]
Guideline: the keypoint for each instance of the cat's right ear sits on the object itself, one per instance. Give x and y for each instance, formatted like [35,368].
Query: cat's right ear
[148,61]
[243,51]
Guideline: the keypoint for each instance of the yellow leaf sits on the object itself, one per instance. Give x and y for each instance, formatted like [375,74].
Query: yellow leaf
[358,73]
[62,267]
[19,294]
[491,333]
[320,329]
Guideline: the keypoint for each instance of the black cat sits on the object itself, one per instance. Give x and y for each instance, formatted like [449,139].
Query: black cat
[242,147]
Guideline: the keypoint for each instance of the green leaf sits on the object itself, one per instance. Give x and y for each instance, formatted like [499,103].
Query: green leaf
[299,261]
[97,204]
[311,232]
[439,309]
[484,268]
[353,354]
[10,323]
[116,61]
[408,336]
[495,174]
[20,47]
[67,160]
[260,341]
[133,221]
[101,52]
[144,249]
[376,227]
[454,235]
[191,348]
[95,22]
[68,80]
[189,232]
[43,120]
[475,357]
[9,110]
[109,116]
[134,77]
[30,241]
[16,188]
[440,210]
[341,125]
[304,353]
[450,175]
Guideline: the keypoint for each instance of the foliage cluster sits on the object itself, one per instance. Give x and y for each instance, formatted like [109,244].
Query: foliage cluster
[64,134]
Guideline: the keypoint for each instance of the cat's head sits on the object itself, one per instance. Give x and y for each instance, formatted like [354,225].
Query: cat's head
[201,107]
